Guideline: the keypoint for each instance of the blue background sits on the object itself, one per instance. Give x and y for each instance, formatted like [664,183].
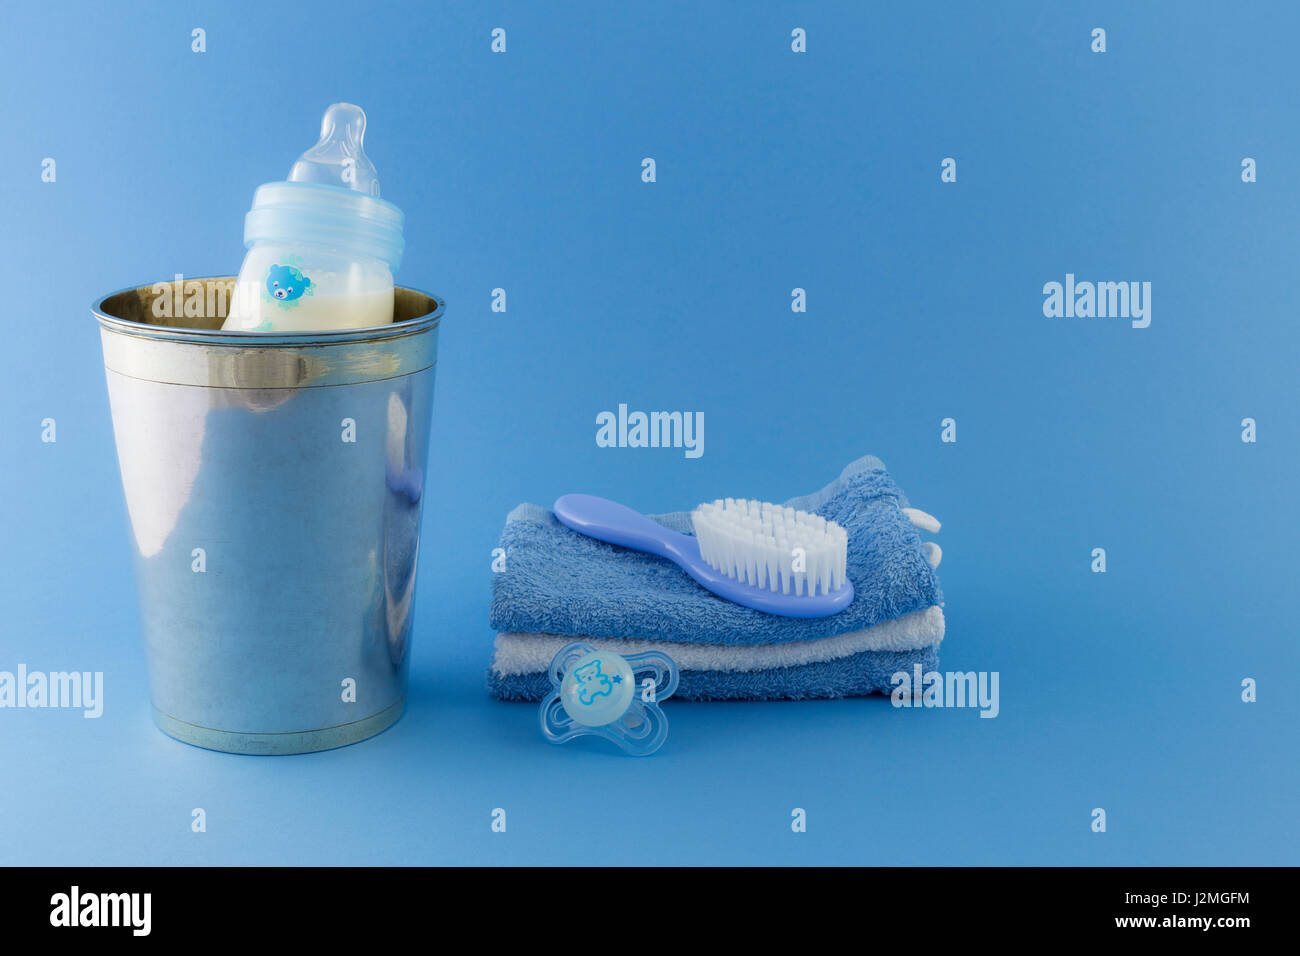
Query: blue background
[775,170]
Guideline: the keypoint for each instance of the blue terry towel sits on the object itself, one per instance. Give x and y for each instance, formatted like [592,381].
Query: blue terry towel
[557,581]
[854,676]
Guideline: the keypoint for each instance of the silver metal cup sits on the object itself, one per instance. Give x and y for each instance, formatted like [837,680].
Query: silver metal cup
[274,485]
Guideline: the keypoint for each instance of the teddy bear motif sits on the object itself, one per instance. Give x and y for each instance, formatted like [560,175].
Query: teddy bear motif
[593,683]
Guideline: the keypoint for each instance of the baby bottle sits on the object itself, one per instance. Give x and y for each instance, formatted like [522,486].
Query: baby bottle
[322,246]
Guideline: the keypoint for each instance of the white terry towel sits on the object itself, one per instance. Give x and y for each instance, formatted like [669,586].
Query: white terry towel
[524,653]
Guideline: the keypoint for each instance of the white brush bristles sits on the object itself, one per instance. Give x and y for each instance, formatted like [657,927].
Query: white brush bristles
[772,547]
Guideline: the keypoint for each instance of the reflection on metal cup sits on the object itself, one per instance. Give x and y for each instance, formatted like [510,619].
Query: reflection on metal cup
[274,486]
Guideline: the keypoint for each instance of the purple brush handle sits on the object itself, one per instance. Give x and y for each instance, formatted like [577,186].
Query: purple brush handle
[614,523]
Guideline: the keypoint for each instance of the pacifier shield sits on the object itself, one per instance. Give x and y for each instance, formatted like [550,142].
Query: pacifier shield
[598,692]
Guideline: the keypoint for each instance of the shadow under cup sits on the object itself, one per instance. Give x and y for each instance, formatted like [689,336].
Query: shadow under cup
[274,488]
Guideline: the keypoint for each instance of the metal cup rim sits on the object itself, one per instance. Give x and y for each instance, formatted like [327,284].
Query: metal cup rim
[246,340]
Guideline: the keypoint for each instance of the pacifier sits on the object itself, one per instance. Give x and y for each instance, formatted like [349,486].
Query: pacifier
[609,695]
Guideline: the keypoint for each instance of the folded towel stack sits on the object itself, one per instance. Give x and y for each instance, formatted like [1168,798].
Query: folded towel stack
[558,586]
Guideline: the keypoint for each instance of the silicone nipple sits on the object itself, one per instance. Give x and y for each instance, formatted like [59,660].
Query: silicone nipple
[339,158]
[609,695]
